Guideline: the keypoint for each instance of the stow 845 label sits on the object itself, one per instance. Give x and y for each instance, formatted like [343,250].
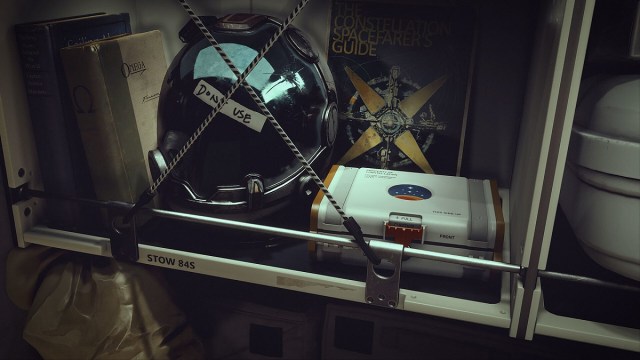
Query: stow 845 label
[173,262]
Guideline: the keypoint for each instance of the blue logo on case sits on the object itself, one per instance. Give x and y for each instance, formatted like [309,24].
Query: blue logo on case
[409,192]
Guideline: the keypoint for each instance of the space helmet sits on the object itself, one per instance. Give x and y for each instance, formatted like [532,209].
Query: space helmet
[240,167]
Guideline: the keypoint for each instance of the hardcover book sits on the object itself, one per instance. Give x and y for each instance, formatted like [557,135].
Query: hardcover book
[115,87]
[63,165]
[403,79]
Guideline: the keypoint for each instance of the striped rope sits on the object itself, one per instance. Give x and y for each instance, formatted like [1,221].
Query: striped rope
[349,222]
[216,109]
[258,100]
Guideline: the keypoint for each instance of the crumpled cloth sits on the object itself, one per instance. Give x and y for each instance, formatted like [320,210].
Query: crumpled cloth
[88,307]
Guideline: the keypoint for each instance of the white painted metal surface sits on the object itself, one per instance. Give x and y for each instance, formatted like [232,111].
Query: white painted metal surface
[587,331]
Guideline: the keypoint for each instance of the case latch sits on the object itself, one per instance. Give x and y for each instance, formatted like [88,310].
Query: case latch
[404,229]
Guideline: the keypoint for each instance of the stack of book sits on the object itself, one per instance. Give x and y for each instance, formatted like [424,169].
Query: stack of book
[92,91]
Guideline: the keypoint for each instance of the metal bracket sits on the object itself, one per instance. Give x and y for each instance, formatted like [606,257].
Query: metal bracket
[124,238]
[18,194]
[384,290]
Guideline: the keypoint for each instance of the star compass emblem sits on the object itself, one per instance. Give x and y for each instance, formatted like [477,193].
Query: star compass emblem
[390,121]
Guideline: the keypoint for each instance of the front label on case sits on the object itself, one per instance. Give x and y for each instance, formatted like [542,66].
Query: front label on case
[238,112]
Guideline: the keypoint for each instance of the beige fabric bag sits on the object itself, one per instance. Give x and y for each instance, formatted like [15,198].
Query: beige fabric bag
[87,307]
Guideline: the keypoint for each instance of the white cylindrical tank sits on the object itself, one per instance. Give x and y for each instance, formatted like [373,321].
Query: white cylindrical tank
[601,186]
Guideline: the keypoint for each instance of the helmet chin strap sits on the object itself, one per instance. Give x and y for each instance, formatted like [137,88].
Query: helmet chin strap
[349,222]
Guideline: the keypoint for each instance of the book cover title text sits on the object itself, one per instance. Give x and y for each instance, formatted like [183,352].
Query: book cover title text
[356,33]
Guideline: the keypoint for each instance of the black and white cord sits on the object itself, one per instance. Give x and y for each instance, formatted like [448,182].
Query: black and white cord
[241,79]
[148,195]
[349,223]
[263,107]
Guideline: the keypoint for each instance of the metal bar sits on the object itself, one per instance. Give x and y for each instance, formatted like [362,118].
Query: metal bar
[586,280]
[457,259]
[337,240]
[26,193]
[330,239]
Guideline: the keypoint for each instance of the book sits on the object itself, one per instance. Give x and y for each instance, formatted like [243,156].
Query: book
[115,87]
[64,168]
[403,76]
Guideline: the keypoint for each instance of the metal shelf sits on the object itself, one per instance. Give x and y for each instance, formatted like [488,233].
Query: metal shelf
[530,202]
[587,331]
[493,314]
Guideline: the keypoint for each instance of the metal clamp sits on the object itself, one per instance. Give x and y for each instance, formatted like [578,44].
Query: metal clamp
[124,238]
[384,289]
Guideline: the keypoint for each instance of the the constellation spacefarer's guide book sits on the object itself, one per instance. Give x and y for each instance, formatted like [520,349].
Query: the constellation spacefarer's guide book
[403,74]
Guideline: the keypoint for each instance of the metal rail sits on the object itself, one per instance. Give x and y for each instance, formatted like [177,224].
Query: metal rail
[25,193]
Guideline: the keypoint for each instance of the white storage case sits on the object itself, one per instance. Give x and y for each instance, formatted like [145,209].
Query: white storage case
[446,214]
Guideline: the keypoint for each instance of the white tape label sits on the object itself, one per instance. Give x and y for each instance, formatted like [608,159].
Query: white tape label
[210,95]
